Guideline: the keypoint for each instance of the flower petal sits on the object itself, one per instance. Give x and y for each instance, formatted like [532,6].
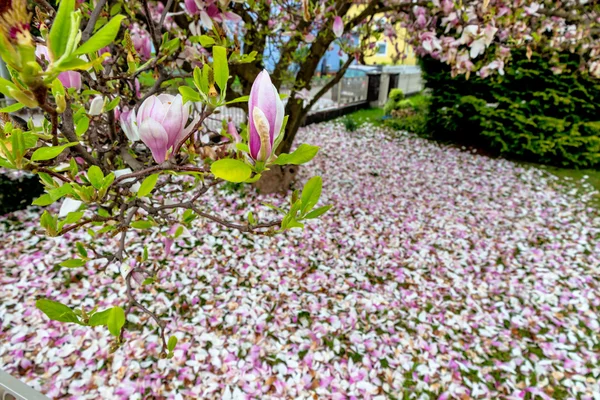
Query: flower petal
[156,138]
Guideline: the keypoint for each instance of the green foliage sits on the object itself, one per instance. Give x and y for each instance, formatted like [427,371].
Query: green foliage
[396,101]
[396,95]
[414,123]
[231,170]
[350,124]
[408,114]
[530,113]
[303,154]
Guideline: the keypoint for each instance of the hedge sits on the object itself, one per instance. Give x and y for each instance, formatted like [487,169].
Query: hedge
[530,113]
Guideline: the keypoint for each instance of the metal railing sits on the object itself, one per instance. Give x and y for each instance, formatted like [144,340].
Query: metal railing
[13,389]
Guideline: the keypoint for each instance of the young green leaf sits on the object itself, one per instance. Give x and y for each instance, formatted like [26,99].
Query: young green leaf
[221,68]
[81,249]
[189,94]
[73,263]
[231,170]
[317,212]
[147,186]
[99,318]
[73,217]
[56,311]
[43,200]
[82,125]
[172,343]
[95,176]
[48,153]
[311,193]
[102,38]
[242,99]
[141,224]
[303,154]
[61,29]
[12,108]
[115,320]
[206,41]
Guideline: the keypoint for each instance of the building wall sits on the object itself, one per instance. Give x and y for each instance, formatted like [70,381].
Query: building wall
[387,52]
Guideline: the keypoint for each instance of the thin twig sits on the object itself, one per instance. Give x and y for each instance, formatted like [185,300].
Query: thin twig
[164,14]
[46,6]
[87,32]
[134,302]
[68,130]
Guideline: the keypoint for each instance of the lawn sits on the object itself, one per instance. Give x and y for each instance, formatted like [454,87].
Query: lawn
[439,274]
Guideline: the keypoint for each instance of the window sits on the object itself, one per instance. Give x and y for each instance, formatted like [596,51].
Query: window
[381,48]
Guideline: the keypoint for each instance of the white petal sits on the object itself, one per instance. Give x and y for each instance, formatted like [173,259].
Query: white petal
[96,106]
[69,205]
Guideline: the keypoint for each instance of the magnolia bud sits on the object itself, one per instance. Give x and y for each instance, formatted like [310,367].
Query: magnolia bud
[61,103]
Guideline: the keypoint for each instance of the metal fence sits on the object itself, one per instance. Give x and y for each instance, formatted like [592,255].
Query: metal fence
[13,389]
[350,90]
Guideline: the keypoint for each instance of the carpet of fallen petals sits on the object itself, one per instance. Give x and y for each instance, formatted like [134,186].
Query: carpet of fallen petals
[439,274]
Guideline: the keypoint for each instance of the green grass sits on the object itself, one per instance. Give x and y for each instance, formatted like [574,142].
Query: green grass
[580,179]
[372,115]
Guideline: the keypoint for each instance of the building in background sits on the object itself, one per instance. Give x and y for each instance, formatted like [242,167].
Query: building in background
[387,51]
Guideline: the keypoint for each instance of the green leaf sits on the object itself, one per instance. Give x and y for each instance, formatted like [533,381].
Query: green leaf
[56,311]
[189,94]
[81,249]
[48,153]
[172,343]
[112,104]
[141,224]
[242,147]
[303,154]
[103,37]
[43,200]
[242,99]
[99,318]
[53,195]
[311,193]
[206,41]
[82,125]
[12,108]
[73,217]
[147,186]
[231,170]
[317,212]
[148,281]
[61,29]
[221,68]
[95,176]
[115,320]
[73,263]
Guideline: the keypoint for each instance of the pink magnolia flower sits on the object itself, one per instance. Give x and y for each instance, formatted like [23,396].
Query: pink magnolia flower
[338,26]
[161,124]
[70,79]
[141,41]
[128,122]
[191,7]
[231,129]
[430,42]
[265,117]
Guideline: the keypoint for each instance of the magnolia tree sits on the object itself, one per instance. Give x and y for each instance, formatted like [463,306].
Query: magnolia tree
[122,91]
[469,35]
[120,156]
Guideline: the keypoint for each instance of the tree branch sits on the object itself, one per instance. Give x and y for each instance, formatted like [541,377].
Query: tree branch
[69,132]
[338,77]
[87,32]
